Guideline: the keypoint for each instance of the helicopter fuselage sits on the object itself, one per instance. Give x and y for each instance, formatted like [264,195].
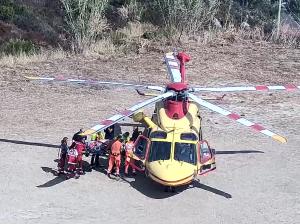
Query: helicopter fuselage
[171,150]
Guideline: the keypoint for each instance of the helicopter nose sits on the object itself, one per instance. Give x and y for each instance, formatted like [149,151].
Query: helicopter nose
[171,173]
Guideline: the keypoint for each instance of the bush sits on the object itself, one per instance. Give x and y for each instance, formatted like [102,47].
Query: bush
[18,47]
[85,21]
[182,15]
[7,12]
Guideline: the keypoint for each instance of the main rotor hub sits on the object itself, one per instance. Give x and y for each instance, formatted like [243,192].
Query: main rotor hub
[177,87]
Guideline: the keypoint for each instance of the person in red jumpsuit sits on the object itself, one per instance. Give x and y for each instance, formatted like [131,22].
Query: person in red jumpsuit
[80,148]
[115,156]
[129,147]
[72,162]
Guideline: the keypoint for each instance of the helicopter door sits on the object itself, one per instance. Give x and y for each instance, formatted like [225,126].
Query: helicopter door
[206,157]
[141,149]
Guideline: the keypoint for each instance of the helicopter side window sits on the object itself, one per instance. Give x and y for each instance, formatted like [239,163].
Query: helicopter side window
[188,136]
[158,134]
[159,151]
[185,152]
[205,152]
[141,147]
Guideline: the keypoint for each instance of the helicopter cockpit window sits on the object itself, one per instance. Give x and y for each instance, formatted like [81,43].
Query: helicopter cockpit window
[158,134]
[185,152]
[188,136]
[159,151]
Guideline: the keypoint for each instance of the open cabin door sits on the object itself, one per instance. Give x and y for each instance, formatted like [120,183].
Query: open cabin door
[141,151]
[206,158]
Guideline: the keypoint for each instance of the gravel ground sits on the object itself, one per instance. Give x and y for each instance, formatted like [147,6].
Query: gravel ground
[257,180]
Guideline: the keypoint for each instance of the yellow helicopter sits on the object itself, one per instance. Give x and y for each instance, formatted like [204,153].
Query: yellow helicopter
[171,149]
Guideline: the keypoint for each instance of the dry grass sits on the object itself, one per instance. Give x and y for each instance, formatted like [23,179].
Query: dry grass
[23,59]
[103,46]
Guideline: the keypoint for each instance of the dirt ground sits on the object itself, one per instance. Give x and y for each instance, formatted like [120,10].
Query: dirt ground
[257,179]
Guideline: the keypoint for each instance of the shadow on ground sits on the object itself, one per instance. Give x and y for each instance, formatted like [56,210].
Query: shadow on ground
[139,182]
[59,178]
[29,143]
[156,191]
[232,152]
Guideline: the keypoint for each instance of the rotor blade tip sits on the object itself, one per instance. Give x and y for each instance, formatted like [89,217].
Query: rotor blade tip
[29,77]
[279,138]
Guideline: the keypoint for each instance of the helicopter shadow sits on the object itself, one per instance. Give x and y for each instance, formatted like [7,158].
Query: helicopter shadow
[216,191]
[156,191]
[233,152]
[148,188]
[18,142]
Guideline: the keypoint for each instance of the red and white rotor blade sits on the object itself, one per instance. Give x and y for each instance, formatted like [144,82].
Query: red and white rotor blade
[92,82]
[237,118]
[288,87]
[126,113]
[173,67]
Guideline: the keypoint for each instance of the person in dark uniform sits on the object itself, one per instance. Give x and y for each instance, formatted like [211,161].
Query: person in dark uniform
[113,131]
[135,134]
[77,137]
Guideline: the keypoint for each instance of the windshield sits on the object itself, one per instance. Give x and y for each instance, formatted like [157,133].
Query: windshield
[185,152]
[159,151]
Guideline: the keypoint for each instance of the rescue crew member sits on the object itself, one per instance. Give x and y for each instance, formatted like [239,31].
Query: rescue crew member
[98,135]
[80,147]
[129,147]
[135,134]
[63,154]
[94,147]
[77,136]
[113,131]
[72,161]
[125,137]
[95,141]
[115,156]
[109,133]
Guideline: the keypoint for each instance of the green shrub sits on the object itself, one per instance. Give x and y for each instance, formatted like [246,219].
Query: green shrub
[18,47]
[181,15]
[85,21]
[7,12]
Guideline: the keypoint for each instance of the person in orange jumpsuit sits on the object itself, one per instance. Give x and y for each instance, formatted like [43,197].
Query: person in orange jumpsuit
[115,156]
[129,146]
